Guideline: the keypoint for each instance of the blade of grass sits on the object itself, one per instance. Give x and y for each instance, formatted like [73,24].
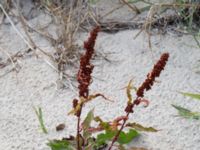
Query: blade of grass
[38,112]
[186,113]
[196,40]
[192,95]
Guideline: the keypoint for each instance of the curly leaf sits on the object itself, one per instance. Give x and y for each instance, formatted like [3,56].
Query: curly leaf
[104,125]
[86,124]
[60,145]
[140,127]
[78,107]
[125,138]
[98,119]
[187,113]
[85,100]
[91,97]
[128,91]
[75,110]
[192,95]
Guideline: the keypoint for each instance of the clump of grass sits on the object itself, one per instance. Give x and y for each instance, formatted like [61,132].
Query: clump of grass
[110,131]
[190,18]
[186,113]
[186,18]
[38,112]
[69,17]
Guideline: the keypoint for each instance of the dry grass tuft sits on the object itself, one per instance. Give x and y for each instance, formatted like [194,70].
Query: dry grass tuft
[69,17]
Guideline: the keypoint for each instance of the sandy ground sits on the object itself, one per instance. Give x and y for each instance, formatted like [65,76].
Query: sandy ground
[36,85]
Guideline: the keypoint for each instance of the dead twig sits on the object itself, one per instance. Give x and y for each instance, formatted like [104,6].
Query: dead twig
[16,67]
[10,58]
[115,26]
[29,37]
[132,7]
[112,10]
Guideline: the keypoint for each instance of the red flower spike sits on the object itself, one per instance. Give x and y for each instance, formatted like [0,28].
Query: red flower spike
[75,103]
[129,108]
[137,101]
[158,67]
[85,70]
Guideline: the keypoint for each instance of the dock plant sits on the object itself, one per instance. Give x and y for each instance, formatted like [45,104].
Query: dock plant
[107,133]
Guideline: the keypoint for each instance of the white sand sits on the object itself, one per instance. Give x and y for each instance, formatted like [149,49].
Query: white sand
[34,85]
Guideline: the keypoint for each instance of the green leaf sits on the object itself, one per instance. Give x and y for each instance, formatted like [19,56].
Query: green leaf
[60,145]
[187,113]
[104,125]
[86,124]
[140,127]
[40,118]
[104,137]
[192,95]
[125,138]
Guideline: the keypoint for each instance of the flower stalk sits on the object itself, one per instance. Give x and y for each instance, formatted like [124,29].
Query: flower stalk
[146,85]
[84,77]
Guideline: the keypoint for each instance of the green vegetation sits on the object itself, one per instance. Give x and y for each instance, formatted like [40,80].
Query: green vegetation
[110,133]
[38,112]
[186,113]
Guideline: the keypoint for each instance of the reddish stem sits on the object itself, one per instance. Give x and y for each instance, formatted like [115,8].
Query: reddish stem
[118,133]
[78,133]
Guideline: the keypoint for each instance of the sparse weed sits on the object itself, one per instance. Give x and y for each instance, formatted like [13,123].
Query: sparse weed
[186,113]
[39,115]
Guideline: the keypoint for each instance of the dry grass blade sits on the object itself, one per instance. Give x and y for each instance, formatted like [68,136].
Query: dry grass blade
[91,97]
[10,58]
[147,25]
[154,9]
[132,7]
[111,11]
[68,17]
[31,45]
[15,28]
[128,91]
[34,46]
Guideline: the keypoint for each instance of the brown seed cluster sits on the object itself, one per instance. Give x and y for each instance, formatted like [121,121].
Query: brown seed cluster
[158,67]
[146,85]
[85,70]
[129,108]
[75,103]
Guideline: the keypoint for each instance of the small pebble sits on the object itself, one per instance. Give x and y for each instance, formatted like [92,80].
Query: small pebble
[60,127]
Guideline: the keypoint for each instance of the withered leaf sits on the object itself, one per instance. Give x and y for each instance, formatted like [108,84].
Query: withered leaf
[140,127]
